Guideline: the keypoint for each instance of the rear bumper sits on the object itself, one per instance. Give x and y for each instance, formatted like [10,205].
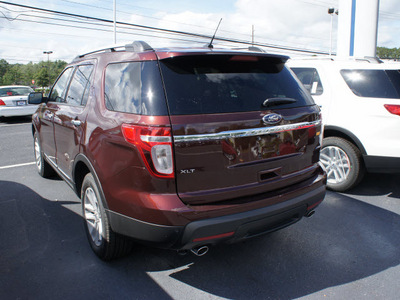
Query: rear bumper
[14,111]
[382,164]
[228,228]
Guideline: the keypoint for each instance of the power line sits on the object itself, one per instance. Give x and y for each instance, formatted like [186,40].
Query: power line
[272,46]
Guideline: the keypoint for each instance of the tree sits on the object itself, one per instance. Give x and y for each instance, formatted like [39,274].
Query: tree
[3,69]
[13,75]
[42,77]
[388,53]
[24,74]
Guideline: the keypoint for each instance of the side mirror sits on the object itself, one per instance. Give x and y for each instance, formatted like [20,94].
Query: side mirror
[36,98]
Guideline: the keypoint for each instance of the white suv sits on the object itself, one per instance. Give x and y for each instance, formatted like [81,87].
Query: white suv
[360,103]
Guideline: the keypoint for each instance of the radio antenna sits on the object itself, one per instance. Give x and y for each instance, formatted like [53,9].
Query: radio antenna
[210,45]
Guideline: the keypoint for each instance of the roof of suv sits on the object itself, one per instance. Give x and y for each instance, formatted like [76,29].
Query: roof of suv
[162,53]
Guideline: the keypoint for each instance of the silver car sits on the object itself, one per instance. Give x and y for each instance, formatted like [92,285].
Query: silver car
[14,101]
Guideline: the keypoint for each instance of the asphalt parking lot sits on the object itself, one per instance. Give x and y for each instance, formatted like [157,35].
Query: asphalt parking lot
[349,249]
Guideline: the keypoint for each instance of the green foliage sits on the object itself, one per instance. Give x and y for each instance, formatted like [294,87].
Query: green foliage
[43,77]
[43,73]
[388,53]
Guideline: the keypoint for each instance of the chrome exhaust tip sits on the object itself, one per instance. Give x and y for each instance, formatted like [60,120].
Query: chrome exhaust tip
[310,213]
[200,251]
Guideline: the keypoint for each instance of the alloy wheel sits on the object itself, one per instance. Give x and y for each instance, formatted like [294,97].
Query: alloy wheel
[38,155]
[336,163]
[93,216]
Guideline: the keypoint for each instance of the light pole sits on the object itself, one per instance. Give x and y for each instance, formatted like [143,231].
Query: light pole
[331,11]
[115,22]
[48,64]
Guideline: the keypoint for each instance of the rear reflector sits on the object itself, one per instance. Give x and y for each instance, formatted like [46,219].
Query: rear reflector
[2,102]
[155,147]
[213,237]
[313,205]
[393,109]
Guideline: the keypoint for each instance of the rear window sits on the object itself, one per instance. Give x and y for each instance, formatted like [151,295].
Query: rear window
[135,87]
[373,83]
[209,84]
[309,77]
[15,91]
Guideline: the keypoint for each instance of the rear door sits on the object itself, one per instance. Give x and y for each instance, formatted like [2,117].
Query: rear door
[229,141]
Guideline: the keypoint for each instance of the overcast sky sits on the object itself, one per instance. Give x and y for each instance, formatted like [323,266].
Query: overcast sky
[304,24]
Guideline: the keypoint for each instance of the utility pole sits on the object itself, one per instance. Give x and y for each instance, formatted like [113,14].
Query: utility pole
[252,35]
[115,21]
[331,12]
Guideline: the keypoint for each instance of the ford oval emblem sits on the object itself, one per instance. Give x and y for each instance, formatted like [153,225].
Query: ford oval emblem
[272,119]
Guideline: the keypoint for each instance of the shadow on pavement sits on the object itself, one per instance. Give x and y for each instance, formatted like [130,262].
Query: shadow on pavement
[346,240]
[378,184]
[15,120]
[44,254]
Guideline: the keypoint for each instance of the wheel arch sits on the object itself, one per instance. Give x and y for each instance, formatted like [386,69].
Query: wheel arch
[82,167]
[33,129]
[330,131]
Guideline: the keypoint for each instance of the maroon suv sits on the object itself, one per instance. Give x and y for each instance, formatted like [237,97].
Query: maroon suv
[181,148]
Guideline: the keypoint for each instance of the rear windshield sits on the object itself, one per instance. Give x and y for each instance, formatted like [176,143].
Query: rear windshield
[15,91]
[211,84]
[373,83]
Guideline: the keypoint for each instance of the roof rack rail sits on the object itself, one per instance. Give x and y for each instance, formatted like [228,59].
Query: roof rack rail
[370,59]
[255,49]
[136,46]
[251,48]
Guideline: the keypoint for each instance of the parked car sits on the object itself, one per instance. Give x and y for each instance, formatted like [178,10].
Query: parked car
[360,101]
[181,148]
[14,101]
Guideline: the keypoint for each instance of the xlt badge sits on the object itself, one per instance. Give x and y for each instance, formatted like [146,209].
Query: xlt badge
[187,171]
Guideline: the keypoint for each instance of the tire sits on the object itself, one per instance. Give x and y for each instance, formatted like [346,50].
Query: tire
[105,243]
[343,163]
[43,167]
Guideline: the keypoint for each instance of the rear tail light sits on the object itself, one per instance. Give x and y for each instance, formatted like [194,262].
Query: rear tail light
[393,109]
[155,147]
[2,102]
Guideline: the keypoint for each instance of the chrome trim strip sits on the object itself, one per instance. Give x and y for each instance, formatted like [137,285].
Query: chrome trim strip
[245,132]
[156,139]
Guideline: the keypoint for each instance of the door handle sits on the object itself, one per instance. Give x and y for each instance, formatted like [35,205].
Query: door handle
[48,115]
[76,122]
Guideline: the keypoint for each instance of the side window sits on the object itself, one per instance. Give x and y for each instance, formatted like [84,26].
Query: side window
[372,83]
[58,92]
[78,91]
[309,77]
[136,88]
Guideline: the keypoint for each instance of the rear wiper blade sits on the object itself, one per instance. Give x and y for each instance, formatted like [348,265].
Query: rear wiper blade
[278,101]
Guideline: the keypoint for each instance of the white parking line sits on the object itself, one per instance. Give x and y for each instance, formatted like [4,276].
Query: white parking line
[18,165]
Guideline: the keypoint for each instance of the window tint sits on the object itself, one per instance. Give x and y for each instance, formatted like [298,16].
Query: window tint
[58,92]
[373,83]
[15,91]
[309,77]
[209,84]
[135,87]
[78,91]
